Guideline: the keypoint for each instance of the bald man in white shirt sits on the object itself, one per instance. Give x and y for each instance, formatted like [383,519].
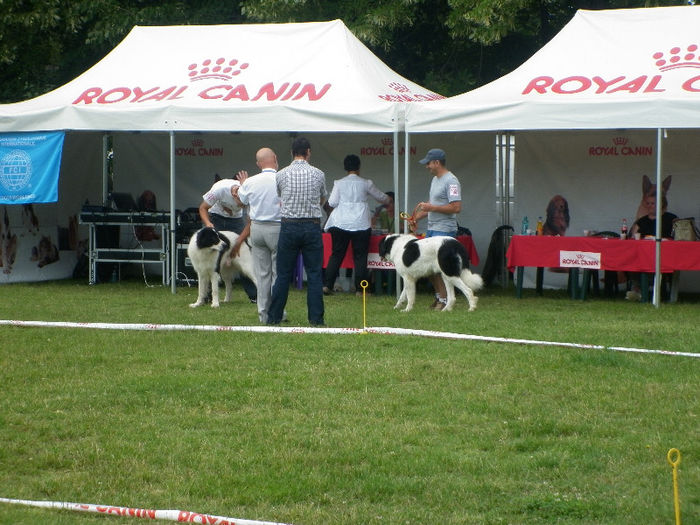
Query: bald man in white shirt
[259,194]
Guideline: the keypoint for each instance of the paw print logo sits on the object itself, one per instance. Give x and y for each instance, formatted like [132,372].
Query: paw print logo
[401,88]
[220,69]
[677,58]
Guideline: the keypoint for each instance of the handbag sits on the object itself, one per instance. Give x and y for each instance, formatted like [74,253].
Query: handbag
[685,229]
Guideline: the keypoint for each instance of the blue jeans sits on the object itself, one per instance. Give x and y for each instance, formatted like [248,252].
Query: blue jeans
[306,237]
[436,233]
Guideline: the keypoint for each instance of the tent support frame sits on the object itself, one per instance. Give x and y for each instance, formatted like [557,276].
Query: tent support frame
[660,135]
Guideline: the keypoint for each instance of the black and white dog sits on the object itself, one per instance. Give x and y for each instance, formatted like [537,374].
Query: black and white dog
[415,258]
[209,251]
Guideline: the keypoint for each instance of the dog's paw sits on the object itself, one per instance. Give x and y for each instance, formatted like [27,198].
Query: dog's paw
[407,309]
[195,305]
[214,305]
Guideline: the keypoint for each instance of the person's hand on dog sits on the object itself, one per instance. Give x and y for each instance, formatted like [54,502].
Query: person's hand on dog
[235,250]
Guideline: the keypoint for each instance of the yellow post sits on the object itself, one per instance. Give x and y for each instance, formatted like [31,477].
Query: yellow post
[364,284]
[674,459]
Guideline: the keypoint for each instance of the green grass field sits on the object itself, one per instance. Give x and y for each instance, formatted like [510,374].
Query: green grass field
[317,429]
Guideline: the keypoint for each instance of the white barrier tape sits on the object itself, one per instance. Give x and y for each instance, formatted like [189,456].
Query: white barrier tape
[181,516]
[309,330]
[451,335]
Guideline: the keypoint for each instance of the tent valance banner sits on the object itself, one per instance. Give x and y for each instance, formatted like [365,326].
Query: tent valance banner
[606,69]
[29,167]
[310,76]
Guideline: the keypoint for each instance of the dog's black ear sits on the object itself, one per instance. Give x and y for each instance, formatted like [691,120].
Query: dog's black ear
[385,245]
[207,237]
[382,248]
[224,239]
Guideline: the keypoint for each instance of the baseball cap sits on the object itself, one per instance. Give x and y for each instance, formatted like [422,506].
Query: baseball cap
[433,154]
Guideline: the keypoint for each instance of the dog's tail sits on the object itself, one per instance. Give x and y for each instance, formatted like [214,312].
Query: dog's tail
[472,280]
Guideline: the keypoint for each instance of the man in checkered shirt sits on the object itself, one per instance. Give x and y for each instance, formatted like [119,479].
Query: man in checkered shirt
[302,190]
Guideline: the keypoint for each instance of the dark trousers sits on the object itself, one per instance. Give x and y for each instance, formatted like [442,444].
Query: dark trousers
[295,237]
[236,225]
[360,247]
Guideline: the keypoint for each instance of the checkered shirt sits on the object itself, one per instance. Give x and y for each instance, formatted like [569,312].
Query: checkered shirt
[301,187]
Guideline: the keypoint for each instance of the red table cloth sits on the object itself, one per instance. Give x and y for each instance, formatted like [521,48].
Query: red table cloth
[614,254]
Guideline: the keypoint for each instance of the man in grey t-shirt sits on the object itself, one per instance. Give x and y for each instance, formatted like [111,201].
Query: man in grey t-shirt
[445,202]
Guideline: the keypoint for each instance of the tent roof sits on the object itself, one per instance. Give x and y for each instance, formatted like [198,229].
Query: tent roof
[314,76]
[624,68]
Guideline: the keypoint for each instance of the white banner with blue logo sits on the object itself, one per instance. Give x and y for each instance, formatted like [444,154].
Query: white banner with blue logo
[29,167]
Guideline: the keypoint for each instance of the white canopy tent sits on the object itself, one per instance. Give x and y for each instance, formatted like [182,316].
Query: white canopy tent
[615,69]
[305,77]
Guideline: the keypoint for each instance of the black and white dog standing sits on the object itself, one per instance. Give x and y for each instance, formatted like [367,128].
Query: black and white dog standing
[209,251]
[415,258]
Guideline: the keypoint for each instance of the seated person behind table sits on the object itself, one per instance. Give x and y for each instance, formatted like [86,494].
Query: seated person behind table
[147,202]
[383,217]
[646,226]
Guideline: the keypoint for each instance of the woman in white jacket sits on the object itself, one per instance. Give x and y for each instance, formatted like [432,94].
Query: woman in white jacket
[350,221]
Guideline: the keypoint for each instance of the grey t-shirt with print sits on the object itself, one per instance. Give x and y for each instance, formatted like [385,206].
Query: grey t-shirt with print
[444,190]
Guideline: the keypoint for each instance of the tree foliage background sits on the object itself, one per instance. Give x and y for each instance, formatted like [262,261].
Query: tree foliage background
[448,46]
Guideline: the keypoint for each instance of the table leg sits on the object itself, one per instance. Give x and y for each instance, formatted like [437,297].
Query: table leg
[519,273]
[644,284]
[538,280]
[674,286]
[585,283]
[573,282]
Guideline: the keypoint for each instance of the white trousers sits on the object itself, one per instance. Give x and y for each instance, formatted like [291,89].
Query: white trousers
[263,246]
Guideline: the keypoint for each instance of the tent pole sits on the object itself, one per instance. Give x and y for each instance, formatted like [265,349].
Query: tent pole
[396,171]
[173,246]
[105,168]
[396,180]
[657,262]
[406,178]
[505,201]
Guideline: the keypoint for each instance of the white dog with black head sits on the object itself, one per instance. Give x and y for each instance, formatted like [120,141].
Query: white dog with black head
[416,258]
[209,250]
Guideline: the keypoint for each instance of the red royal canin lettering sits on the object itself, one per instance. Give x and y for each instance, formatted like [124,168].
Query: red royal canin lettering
[692,84]
[579,84]
[224,92]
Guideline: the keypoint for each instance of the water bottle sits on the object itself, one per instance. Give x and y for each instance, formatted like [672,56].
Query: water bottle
[623,229]
[540,226]
[525,226]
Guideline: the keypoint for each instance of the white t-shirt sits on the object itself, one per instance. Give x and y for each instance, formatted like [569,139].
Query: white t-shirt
[221,201]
